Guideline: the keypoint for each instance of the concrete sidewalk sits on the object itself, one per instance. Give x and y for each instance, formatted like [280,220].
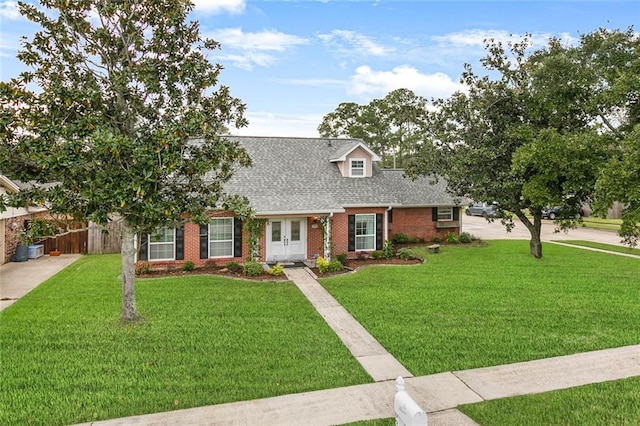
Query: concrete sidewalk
[19,278]
[438,394]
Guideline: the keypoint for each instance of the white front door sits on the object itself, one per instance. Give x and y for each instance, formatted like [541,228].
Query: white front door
[287,239]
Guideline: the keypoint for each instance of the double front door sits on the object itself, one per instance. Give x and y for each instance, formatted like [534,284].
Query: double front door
[286,239]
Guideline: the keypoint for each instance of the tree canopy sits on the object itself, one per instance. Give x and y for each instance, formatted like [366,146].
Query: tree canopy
[115,94]
[391,125]
[536,128]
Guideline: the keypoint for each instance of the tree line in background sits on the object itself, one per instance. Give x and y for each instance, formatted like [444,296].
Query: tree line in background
[556,126]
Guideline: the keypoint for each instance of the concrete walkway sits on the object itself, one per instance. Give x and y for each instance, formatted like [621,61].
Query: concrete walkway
[375,359]
[19,278]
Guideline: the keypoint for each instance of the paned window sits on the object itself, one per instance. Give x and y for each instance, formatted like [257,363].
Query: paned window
[356,168]
[445,213]
[365,232]
[221,237]
[162,244]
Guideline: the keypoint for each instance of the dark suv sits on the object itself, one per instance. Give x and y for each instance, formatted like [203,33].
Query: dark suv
[555,212]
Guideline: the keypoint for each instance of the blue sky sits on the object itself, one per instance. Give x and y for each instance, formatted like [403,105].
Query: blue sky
[293,61]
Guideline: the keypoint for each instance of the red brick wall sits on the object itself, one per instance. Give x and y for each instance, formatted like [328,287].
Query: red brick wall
[417,222]
[414,222]
[315,240]
[11,236]
[340,228]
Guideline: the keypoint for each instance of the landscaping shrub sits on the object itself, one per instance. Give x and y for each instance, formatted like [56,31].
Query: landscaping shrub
[377,254]
[414,240]
[276,270]
[234,267]
[408,254]
[335,266]
[142,268]
[387,249]
[188,266]
[452,238]
[436,240]
[328,266]
[466,238]
[342,258]
[322,264]
[400,238]
[252,268]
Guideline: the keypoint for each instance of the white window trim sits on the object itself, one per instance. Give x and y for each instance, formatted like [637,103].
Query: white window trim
[209,240]
[367,235]
[364,167]
[151,243]
[447,219]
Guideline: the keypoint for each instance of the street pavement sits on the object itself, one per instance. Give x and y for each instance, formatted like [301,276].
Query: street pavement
[479,227]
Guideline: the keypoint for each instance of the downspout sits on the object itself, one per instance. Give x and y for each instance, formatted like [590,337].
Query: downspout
[386,223]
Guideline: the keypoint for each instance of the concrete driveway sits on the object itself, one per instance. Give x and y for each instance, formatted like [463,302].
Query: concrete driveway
[479,227]
[19,278]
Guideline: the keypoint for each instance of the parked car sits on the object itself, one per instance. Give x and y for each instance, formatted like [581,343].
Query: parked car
[555,212]
[483,209]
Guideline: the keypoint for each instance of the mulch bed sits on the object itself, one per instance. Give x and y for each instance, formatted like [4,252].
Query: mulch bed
[351,265]
[210,270]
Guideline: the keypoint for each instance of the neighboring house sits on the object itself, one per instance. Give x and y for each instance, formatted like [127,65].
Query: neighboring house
[14,220]
[302,186]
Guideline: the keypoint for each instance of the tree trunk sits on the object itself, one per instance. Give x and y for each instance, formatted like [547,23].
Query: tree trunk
[535,228]
[129,312]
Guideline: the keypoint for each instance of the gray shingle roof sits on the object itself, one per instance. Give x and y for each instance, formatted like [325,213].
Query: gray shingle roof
[295,175]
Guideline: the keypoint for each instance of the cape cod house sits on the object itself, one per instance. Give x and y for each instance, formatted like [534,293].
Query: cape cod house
[319,197]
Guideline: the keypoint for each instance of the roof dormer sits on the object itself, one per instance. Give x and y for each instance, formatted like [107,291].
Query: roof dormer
[355,160]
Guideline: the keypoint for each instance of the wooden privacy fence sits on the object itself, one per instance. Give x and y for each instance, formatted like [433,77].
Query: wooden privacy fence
[74,242]
[105,239]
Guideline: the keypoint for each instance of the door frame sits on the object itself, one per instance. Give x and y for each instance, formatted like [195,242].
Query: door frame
[287,257]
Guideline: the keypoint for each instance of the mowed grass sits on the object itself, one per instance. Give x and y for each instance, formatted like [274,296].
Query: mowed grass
[608,403]
[470,307]
[65,357]
[603,246]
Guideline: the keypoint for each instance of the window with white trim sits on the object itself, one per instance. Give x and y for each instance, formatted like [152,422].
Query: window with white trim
[365,232]
[221,237]
[357,167]
[445,213]
[162,244]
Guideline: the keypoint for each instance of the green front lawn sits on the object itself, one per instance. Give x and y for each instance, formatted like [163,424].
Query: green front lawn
[608,403]
[65,358]
[603,246]
[470,307]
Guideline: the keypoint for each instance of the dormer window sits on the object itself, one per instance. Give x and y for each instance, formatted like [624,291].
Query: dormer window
[357,167]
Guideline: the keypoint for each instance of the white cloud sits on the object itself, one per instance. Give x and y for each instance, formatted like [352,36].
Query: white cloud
[248,60]
[248,49]
[366,81]
[350,43]
[9,10]
[263,123]
[219,6]
[235,38]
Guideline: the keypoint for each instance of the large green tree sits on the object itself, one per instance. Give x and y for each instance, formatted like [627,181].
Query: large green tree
[115,93]
[391,126]
[535,129]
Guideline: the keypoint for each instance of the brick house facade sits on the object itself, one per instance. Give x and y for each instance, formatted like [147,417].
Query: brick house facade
[318,197]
